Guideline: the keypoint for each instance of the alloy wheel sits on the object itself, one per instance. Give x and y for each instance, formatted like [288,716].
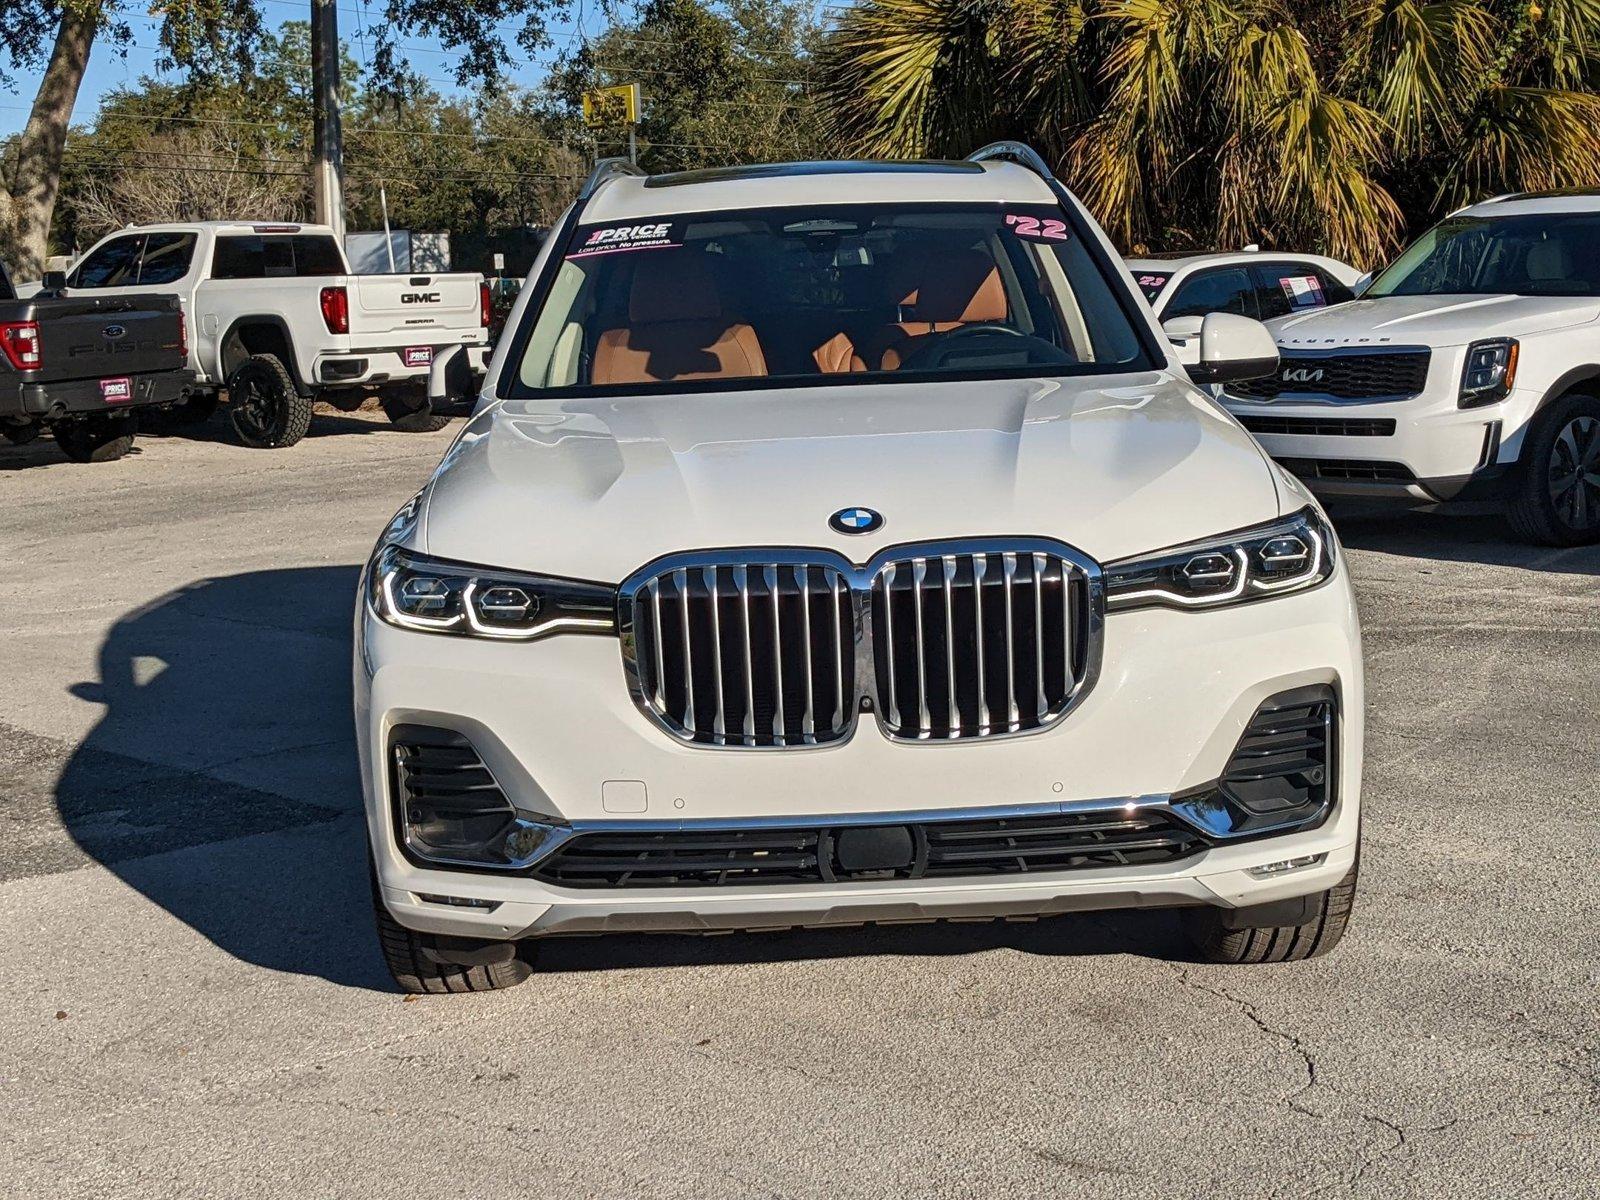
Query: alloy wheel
[1574,476]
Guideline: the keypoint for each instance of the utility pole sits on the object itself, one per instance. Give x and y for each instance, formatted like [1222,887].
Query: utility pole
[327,183]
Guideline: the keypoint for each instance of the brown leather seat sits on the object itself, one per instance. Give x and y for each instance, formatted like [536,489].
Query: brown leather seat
[676,328]
[838,355]
[941,293]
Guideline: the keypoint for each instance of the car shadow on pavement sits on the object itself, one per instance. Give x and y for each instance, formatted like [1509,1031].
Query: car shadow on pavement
[221,784]
[1474,537]
[221,781]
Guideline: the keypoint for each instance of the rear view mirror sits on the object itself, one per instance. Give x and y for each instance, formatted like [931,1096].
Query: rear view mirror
[1359,287]
[53,281]
[1233,348]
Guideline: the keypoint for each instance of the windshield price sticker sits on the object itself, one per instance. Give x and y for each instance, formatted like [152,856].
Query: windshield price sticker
[613,239]
[1040,229]
[1303,291]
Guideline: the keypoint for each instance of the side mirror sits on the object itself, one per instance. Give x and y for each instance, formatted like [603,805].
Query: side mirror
[53,281]
[1184,334]
[1360,286]
[1233,348]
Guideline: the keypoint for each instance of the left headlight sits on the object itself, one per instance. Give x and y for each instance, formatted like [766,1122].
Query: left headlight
[1287,555]
[433,595]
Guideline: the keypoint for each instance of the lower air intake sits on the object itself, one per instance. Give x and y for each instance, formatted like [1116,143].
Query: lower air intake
[824,854]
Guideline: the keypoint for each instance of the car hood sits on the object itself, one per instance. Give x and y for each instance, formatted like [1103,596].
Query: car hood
[595,488]
[1436,321]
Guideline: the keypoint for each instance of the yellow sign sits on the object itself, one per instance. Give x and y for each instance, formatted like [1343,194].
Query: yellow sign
[612,105]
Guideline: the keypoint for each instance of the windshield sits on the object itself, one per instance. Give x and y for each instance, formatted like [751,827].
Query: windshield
[1538,254]
[797,294]
[1150,283]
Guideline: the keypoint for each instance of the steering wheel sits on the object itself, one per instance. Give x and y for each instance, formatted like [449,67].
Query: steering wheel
[937,347]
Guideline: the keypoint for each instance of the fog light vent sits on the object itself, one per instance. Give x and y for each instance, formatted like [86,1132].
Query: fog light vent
[1282,766]
[450,807]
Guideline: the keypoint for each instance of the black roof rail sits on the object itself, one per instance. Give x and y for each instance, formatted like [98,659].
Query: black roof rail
[604,170]
[1018,152]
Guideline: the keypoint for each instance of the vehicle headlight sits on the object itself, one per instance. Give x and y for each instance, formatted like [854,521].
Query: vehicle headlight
[1288,555]
[1489,373]
[435,596]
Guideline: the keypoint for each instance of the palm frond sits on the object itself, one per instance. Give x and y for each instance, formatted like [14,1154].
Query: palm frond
[1526,139]
[909,78]
[1419,62]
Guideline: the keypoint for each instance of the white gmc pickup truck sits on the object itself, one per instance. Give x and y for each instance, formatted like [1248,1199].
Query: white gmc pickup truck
[275,317]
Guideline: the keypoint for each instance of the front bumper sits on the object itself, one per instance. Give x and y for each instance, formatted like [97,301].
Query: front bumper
[1436,451]
[554,722]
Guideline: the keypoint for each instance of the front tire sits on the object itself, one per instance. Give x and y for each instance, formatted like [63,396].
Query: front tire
[412,411]
[98,438]
[267,411]
[1223,935]
[1556,493]
[412,959]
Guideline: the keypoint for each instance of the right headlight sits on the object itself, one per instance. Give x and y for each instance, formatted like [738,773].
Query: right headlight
[1287,555]
[1489,373]
[433,595]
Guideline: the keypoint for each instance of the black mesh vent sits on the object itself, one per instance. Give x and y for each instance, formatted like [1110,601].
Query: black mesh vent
[1349,468]
[817,854]
[1320,426]
[1391,375]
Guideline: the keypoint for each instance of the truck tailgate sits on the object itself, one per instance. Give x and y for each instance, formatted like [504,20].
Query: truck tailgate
[414,308]
[85,337]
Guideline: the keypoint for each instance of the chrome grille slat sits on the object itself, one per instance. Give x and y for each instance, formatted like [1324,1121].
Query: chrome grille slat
[719,722]
[680,579]
[783,648]
[741,581]
[1013,715]
[780,736]
[1040,702]
[980,570]
[919,572]
[950,644]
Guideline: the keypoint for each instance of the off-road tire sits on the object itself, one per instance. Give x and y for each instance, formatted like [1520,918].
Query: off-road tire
[412,411]
[1217,943]
[98,438]
[1533,509]
[19,435]
[266,410]
[404,951]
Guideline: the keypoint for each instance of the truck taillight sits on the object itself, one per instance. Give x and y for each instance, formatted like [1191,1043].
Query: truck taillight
[183,333]
[20,341]
[336,309]
[485,305]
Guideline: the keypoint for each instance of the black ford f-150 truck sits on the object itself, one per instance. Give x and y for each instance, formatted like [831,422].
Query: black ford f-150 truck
[84,366]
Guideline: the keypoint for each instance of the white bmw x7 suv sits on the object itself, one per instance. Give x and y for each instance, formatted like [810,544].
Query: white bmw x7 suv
[842,543]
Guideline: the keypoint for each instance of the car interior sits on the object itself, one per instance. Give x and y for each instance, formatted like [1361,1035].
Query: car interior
[751,298]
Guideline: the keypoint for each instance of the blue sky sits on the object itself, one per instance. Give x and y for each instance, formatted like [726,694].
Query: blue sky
[107,70]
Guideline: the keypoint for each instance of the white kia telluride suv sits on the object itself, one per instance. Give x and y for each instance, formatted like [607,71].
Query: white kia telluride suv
[841,543]
[1469,370]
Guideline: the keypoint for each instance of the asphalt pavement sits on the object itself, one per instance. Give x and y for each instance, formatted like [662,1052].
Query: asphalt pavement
[192,1002]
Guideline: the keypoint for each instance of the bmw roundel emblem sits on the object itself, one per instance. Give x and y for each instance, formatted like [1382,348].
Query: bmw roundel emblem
[856,520]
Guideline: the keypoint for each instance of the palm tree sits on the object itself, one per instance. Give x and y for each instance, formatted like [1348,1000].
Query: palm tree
[1339,126]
